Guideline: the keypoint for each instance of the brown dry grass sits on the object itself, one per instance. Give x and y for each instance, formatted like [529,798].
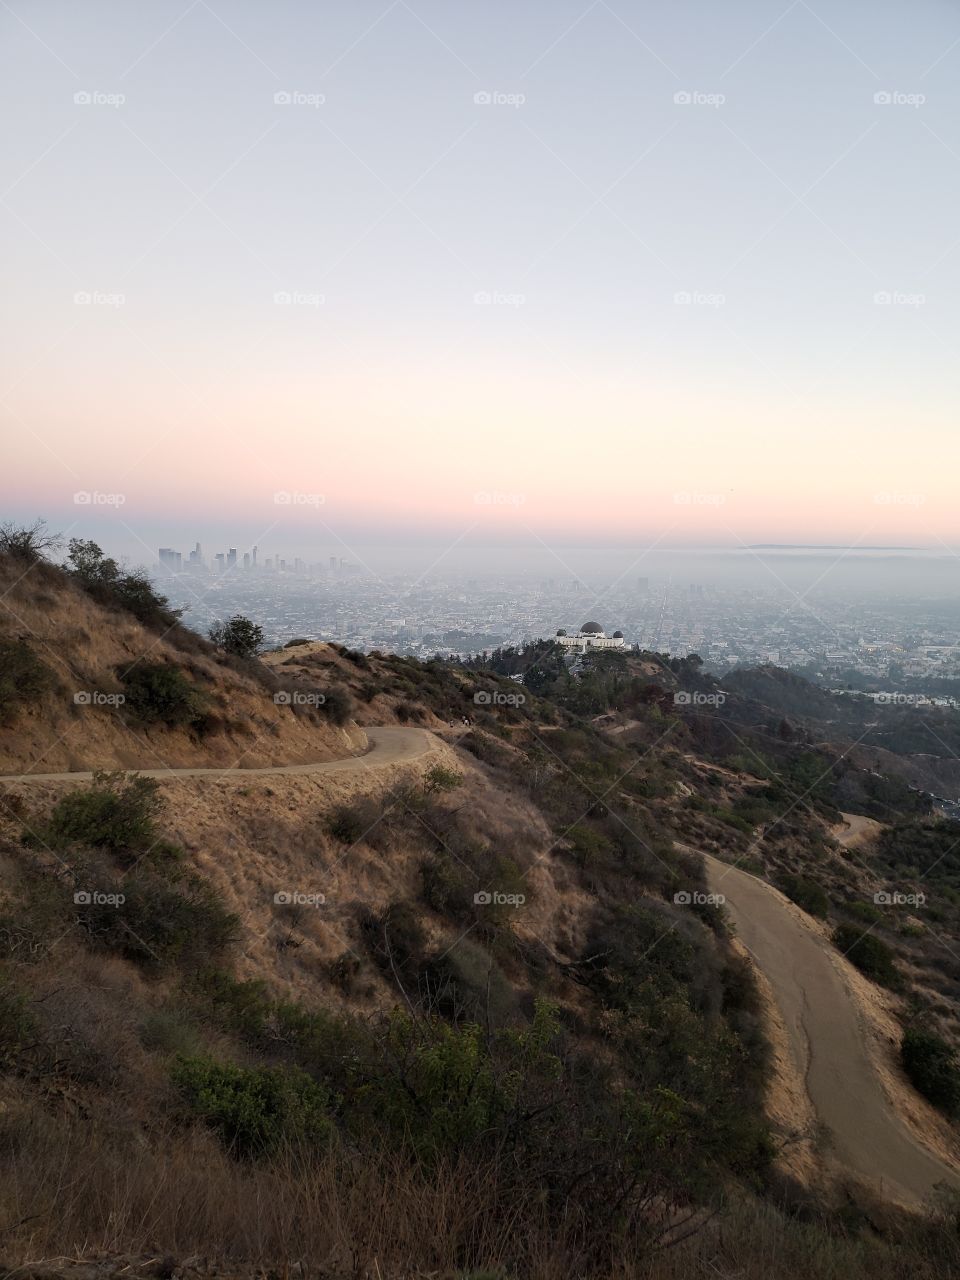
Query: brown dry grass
[82,644]
[67,1193]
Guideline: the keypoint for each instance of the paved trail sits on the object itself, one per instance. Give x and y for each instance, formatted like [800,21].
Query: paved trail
[389,744]
[827,1041]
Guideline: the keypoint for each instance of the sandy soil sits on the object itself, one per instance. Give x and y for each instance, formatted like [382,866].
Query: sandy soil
[856,830]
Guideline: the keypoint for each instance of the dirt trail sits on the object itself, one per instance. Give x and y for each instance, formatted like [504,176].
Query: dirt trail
[855,830]
[828,1041]
[390,744]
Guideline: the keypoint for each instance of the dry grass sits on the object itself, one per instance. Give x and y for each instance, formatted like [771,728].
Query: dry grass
[67,1193]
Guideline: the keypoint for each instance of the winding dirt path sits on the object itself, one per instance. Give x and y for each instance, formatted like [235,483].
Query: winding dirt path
[389,744]
[828,1042]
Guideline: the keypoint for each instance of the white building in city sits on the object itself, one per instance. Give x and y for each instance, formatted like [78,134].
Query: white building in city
[590,636]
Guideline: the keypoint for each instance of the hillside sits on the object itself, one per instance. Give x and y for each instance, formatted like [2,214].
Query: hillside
[460,969]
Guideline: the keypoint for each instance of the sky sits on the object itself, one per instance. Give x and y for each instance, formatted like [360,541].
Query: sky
[445,275]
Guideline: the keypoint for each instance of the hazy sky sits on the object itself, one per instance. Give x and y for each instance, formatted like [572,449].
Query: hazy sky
[559,273]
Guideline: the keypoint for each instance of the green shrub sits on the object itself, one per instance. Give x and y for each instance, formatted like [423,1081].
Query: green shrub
[23,678]
[117,813]
[440,779]
[337,705]
[806,893]
[238,636]
[871,955]
[160,694]
[254,1110]
[157,923]
[932,1068]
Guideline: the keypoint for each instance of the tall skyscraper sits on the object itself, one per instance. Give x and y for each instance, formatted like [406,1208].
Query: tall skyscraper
[170,560]
[231,557]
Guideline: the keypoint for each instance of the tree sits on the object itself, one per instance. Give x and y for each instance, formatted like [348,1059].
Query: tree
[87,562]
[239,636]
[29,544]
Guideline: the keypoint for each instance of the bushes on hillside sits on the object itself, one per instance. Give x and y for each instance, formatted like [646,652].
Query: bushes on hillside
[157,693]
[806,893]
[237,636]
[23,678]
[103,579]
[117,813]
[870,954]
[254,1109]
[932,1067]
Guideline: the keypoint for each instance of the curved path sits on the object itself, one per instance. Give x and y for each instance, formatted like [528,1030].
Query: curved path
[389,744]
[826,1041]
